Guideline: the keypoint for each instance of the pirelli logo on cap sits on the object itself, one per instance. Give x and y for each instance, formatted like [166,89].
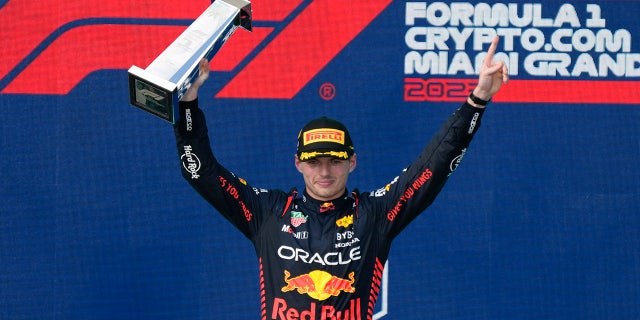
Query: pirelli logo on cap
[323,135]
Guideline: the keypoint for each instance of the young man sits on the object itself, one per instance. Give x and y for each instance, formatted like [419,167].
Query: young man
[321,253]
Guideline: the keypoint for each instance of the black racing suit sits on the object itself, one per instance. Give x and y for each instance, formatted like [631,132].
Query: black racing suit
[321,260]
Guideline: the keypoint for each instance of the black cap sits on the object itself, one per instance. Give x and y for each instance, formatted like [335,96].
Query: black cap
[324,137]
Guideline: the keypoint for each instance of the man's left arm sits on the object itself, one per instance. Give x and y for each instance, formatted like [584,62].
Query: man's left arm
[419,184]
[492,75]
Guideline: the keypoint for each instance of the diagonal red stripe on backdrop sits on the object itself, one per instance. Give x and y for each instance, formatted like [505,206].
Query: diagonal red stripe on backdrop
[86,49]
[303,48]
[264,10]
[26,24]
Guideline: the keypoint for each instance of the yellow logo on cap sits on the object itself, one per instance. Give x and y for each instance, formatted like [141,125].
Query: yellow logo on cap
[323,135]
[336,154]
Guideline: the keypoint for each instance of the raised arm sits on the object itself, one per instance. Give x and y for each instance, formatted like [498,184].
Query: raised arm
[232,197]
[203,75]
[417,186]
[492,75]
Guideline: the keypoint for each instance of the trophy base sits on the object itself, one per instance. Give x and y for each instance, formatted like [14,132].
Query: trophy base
[153,94]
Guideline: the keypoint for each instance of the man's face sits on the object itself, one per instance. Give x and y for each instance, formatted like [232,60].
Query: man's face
[326,177]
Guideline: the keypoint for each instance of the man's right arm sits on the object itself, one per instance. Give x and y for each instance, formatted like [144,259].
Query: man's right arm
[203,74]
[230,195]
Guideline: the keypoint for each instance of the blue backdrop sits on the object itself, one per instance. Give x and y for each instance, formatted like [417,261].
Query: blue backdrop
[540,221]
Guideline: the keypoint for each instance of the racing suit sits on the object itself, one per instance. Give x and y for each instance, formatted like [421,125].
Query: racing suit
[317,259]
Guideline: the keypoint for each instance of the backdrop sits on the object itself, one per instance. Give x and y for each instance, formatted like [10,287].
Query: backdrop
[540,221]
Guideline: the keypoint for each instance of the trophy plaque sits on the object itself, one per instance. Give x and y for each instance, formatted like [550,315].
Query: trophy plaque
[158,88]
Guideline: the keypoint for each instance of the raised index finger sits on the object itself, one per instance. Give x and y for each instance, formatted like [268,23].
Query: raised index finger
[492,50]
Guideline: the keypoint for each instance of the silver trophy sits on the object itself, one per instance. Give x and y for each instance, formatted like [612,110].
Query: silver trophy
[158,88]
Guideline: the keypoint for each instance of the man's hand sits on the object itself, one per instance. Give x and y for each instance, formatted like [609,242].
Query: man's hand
[203,74]
[492,75]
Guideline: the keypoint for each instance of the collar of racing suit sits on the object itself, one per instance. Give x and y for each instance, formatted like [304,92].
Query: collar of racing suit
[326,207]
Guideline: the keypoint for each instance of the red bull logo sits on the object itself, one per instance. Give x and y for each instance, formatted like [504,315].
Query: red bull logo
[282,311]
[318,284]
[327,206]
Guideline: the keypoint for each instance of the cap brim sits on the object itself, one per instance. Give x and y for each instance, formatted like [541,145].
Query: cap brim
[310,155]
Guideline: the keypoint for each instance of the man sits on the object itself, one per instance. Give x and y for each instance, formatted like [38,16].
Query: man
[321,253]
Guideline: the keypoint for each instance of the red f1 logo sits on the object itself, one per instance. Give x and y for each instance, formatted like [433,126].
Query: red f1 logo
[50,49]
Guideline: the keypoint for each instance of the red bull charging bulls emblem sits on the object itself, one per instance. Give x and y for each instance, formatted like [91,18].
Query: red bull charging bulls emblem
[318,284]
